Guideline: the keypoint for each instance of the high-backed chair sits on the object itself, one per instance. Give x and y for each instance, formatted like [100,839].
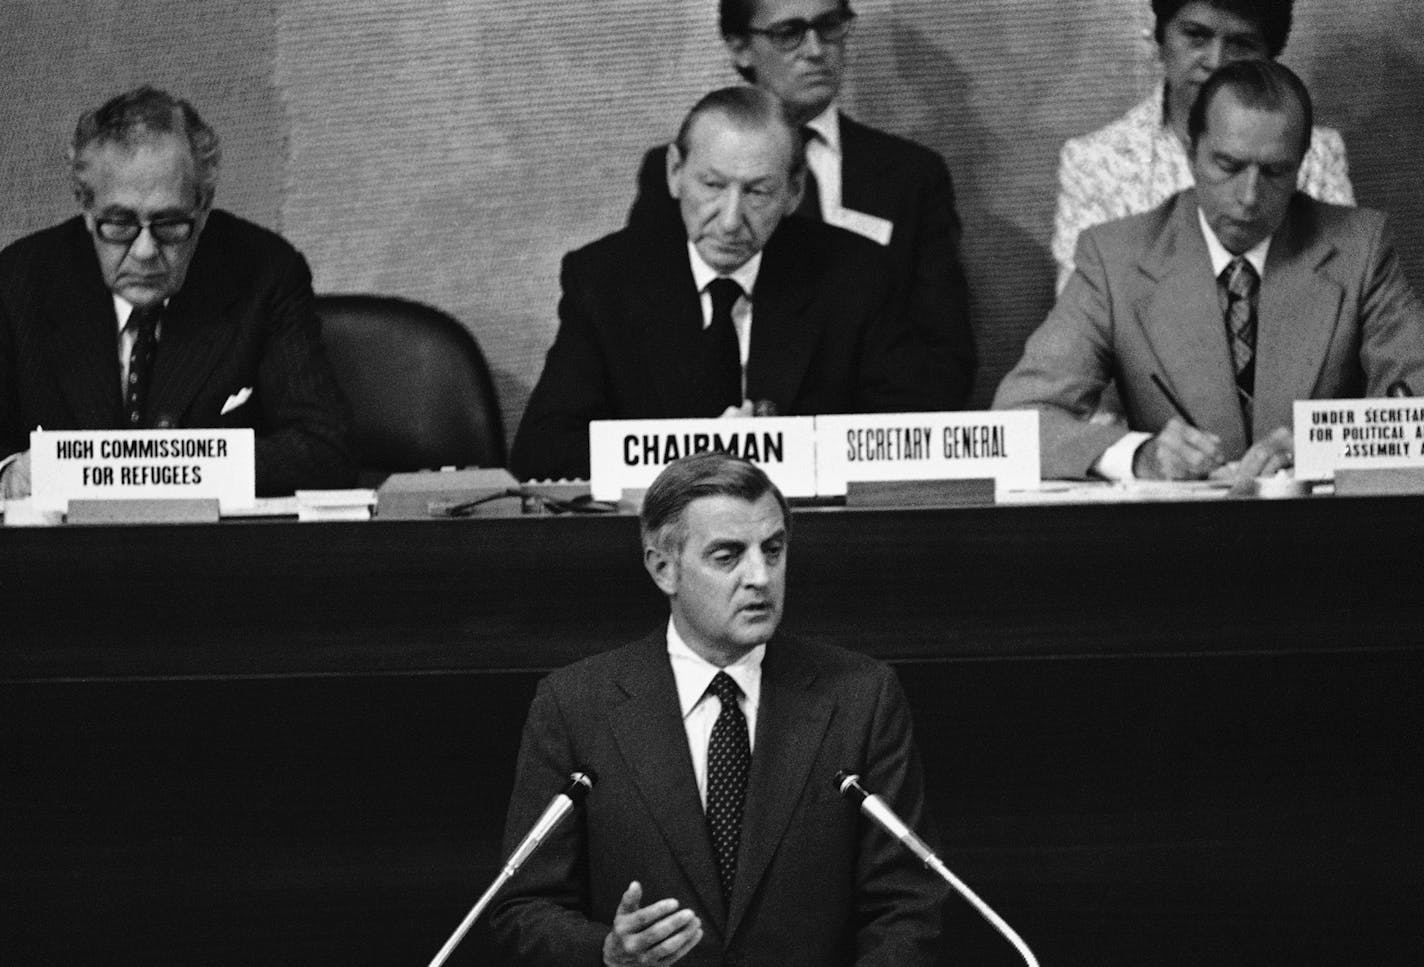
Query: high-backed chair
[420,393]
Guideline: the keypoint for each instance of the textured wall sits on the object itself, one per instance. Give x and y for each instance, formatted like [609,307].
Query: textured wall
[452,151]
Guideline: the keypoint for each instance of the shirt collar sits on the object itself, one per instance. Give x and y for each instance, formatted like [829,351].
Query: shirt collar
[123,308]
[693,673]
[1221,258]
[827,124]
[702,273]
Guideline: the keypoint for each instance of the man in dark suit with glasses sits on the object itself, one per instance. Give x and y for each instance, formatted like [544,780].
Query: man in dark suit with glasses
[152,309]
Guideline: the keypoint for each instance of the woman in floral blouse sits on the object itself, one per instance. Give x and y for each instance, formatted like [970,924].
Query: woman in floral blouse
[1140,160]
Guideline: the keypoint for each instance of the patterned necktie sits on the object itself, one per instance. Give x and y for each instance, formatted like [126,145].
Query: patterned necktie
[143,320]
[723,354]
[1241,284]
[810,205]
[729,759]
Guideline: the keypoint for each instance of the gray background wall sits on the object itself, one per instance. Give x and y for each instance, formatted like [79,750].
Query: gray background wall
[451,150]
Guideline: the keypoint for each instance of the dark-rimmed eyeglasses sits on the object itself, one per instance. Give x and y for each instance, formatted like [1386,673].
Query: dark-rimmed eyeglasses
[830,28]
[165,231]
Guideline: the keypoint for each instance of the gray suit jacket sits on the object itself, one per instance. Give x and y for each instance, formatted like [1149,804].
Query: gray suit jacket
[816,884]
[1336,318]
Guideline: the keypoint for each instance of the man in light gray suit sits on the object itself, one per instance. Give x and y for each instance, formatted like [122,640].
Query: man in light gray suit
[1217,310]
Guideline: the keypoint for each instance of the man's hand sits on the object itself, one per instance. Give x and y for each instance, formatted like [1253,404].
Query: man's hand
[1266,456]
[1178,452]
[653,935]
[15,478]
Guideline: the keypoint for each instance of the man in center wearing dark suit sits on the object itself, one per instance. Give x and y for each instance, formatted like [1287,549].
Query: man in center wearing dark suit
[714,832]
[731,309]
[889,189]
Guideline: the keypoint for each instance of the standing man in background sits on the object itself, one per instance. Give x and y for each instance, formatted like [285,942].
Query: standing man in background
[152,309]
[891,190]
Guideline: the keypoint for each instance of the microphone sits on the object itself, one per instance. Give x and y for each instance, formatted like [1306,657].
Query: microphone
[570,796]
[1399,390]
[883,816]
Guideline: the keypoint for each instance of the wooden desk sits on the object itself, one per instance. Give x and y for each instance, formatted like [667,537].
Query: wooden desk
[1153,733]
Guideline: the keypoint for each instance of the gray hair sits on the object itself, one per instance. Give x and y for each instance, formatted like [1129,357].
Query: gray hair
[663,521]
[138,115]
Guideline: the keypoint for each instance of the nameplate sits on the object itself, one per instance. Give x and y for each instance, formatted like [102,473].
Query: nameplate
[1372,434]
[629,454]
[1001,445]
[142,465]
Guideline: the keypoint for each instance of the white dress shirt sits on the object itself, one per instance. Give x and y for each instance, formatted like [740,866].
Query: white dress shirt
[1116,461]
[823,157]
[693,674]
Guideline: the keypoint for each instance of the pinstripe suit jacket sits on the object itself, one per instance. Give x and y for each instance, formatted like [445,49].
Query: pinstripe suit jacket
[244,318]
[817,885]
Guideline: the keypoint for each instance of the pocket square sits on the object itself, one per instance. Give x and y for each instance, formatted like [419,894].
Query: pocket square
[236,400]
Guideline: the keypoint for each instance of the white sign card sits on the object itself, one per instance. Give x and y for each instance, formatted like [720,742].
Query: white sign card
[629,454]
[1369,434]
[141,465]
[1001,445]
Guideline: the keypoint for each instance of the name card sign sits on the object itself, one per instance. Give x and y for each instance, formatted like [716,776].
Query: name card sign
[141,465]
[629,454]
[1372,434]
[1001,445]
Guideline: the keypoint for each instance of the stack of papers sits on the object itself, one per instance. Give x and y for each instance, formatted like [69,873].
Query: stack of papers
[353,504]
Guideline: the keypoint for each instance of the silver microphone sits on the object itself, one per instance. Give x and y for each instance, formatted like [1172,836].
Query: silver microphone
[560,806]
[880,812]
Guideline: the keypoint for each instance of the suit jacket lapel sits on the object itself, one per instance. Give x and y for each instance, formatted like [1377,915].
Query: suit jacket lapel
[194,334]
[650,734]
[863,186]
[1296,314]
[791,722]
[670,320]
[784,332]
[1180,315]
[82,337]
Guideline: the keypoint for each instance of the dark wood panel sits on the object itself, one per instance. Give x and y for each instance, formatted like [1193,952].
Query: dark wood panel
[1152,734]
[287,598]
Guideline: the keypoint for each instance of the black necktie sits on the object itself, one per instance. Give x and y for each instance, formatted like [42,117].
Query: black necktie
[143,320]
[1241,282]
[810,206]
[729,760]
[723,354]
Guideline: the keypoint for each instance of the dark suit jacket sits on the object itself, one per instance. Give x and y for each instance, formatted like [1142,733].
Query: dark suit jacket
[630,323]
[243,318]
[816,883]
[908,185]
[1336,319]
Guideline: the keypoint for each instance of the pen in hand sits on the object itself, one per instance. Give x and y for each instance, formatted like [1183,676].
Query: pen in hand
[1176,403]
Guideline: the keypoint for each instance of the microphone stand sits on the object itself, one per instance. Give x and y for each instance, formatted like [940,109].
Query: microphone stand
[579,785]
[883,816]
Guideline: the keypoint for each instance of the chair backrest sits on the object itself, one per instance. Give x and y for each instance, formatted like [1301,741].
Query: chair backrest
[420,393]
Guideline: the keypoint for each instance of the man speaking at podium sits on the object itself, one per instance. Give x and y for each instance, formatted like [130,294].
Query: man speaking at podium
[151,309]
[734,309]
[715,833]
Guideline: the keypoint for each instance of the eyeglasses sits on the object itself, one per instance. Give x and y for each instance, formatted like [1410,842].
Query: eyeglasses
[165,231]
[831,28]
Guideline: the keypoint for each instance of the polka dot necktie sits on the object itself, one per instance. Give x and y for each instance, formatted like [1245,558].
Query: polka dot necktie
[1241,282]
[729,759]
[144,323]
